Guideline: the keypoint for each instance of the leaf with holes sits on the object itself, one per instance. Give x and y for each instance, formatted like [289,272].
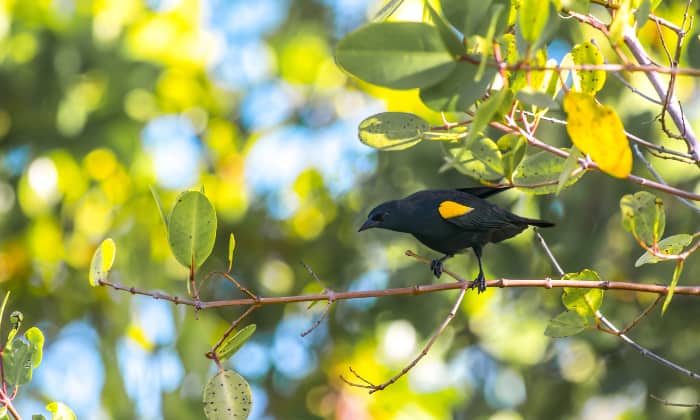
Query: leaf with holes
[227,395]
[392,130]
[192,228]
[643,215]
[588,81]
[539,173]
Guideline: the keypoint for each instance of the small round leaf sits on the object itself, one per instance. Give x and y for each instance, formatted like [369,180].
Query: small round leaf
[227,396]
[192,228]
[392,130]
[102,261]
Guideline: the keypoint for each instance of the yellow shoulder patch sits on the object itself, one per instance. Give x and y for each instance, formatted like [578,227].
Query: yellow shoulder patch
[450,209]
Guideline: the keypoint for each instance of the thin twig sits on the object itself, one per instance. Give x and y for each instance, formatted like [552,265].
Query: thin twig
[658,177]
[610,326]
[212,353]
[423,353]
[327,309]
[674,404]
[641,316]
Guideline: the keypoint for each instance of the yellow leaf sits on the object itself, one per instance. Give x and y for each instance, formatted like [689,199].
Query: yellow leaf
[598,132]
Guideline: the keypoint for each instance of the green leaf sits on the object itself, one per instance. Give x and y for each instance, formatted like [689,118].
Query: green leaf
[459,90]
[448,35]
[231,248]
[565,324]
[231,345]
[672,287]
[533,15]
[485,150]
[619,23]
[16,318]
[3,416]
[585,302]
[570,164]
[539,173]
[398,55]
[22,356]
[642,13]
[588,81]
[474,17]
[102,261]
[60,411]
[464,161]
[513,148]
[192,228]
[643,215]
[156,198]
[227,395]
[392,130]
[486,112]
[673,245]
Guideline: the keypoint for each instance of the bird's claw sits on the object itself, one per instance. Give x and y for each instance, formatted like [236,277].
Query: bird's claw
[479,283]
[436,267]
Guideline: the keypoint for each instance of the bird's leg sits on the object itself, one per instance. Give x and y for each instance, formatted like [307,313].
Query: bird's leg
[436,265]
[480,281]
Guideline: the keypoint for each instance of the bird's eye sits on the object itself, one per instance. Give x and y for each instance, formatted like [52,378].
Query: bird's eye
[378,217]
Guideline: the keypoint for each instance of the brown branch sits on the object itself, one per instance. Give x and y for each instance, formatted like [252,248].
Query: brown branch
[587,164]
[614,330]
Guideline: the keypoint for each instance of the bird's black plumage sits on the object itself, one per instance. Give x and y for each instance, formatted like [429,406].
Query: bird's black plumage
[451,221]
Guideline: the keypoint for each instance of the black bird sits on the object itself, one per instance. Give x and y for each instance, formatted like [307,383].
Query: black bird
[451,221]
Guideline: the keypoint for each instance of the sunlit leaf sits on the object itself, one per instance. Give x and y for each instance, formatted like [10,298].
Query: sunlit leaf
[672,287]
[673,245]
[578,6]
[513,148]
[588,81]
[60,411]
[539,173]
[231,345]
[231,248]
[621,20]
[642,13]
[533,15]
[459,90]
[565,324]
[463,161]
[23,356]
[192,228]
[399,55]
[392,130]
[585,302]
[598,132]
[387,10]
[227,395]
[102,261]
[643,215]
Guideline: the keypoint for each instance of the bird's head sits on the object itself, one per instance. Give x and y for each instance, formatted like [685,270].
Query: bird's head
[385,216]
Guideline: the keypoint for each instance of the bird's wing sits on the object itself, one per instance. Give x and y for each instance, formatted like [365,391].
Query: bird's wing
[479,217]
[483,192]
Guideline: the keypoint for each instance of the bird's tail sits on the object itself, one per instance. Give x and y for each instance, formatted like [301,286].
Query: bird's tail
[535,222]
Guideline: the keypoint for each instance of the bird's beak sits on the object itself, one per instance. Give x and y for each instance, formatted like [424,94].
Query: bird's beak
[367,224]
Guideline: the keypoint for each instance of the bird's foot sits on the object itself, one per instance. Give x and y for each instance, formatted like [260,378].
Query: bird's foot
[479,283]
[436,267]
